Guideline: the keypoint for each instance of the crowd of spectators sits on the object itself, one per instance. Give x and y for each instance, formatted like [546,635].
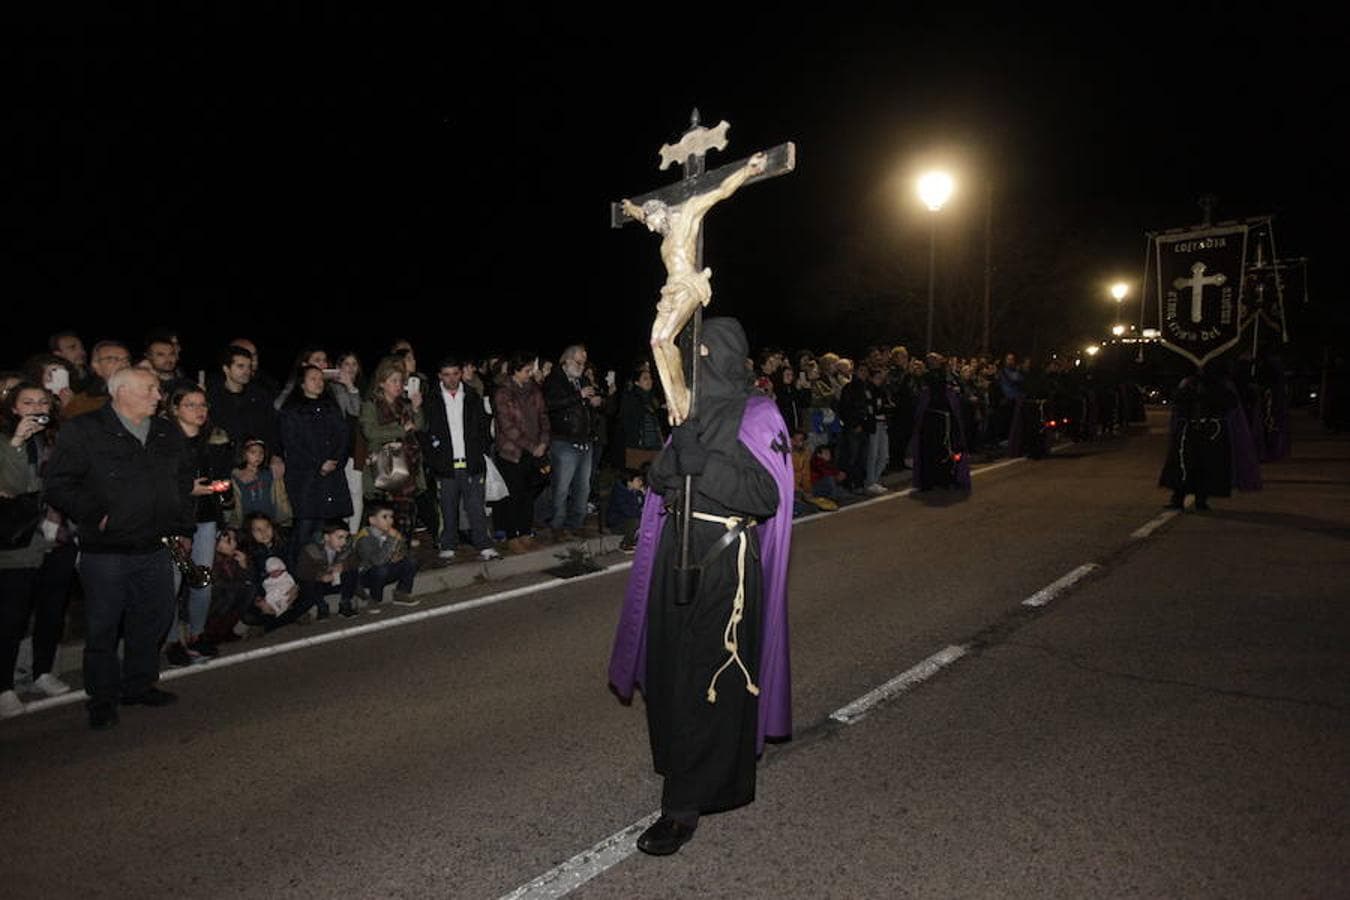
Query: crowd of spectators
[329,481]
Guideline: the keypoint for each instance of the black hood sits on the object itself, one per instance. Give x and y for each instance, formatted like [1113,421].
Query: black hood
[722,374]
[723,382]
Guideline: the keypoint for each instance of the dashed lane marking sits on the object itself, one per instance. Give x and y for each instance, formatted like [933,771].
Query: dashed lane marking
[907,679]
[1059,586]
[1154,524]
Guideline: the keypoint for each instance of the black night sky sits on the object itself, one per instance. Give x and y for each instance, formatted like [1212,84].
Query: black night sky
[303,173]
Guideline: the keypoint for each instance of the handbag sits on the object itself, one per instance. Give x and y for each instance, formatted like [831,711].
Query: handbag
[19,518]
[392,473]
[494,485]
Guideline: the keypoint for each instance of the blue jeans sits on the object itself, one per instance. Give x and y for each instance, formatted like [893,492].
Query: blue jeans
[376,577]
[878,453]
[133,592]
[313,593]
[470,488]
[571,483]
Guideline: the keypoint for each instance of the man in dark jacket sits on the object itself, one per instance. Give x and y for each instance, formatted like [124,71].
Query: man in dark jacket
[455,449]
[573,415]
[238,405]
[123,475]
[858,423]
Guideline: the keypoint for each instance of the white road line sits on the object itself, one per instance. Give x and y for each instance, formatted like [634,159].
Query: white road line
[907,679]
[352,631]
[1154,524]
[345,633]
[568,876]
[1055,588]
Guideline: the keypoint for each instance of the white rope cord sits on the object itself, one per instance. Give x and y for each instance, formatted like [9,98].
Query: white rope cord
[729,638]
[1181,450]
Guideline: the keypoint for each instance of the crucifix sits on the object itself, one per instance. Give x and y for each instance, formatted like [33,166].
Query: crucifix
[1197,283]
[676,213]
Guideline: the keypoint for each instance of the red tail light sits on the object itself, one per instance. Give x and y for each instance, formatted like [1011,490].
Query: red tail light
[956,457]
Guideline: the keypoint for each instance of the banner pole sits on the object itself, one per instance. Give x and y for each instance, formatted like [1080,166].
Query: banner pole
[1143,294]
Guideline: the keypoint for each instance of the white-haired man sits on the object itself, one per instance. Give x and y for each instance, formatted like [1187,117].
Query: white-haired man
[573,417]
[123,475]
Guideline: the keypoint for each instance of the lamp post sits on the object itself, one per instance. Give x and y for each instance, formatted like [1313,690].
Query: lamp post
[935,188]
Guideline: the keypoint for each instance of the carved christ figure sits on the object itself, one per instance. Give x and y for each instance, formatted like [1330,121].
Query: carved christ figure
[686,288]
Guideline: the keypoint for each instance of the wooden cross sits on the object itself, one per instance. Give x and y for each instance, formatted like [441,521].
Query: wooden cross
[676,212]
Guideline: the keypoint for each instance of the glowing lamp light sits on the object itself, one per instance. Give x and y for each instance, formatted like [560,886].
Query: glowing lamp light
[935,189]
[1092,349]
[956,457]
[1119,290]
[1151,333]
[1052,423]
[1117,330]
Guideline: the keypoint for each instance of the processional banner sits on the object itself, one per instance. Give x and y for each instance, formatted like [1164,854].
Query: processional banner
[1200,290]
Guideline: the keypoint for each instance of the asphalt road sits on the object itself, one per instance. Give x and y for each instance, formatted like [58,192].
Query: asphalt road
[1177,723]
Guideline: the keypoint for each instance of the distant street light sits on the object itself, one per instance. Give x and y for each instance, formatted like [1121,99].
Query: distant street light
[1117,330]
[935,188]
[1119,290]
[1092,349]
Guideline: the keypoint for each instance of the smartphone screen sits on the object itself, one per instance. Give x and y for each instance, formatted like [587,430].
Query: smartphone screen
[58,380]
[414,384]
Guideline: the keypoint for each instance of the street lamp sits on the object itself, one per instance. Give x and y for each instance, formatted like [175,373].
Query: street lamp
[935,188]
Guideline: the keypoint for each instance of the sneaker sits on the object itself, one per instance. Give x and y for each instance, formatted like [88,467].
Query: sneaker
[50,685]
[447,554]
[628,548]
[402,599]
[877,488]
[10,705]
[488,553]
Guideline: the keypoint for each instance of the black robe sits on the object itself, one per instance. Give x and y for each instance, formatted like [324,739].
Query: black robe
[1200,453]
[706,751]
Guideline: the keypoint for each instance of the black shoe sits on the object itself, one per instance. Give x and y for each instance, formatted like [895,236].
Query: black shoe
[102,716]
[152,697]
[323,612]
[1201,505]
[177,655]
[346,611]
[665,837]
[204,648]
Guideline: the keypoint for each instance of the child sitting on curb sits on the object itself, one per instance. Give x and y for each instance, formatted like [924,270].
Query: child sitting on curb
[625,507]
[382,557]
[328,566]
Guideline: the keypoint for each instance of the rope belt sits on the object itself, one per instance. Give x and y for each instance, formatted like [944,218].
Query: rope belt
[729,638]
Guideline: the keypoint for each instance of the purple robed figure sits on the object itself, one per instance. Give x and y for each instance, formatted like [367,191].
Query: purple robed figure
[761,428]
[926,457]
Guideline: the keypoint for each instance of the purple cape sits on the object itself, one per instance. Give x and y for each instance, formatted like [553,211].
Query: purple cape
[959,433]
[1246,467]
[761,427]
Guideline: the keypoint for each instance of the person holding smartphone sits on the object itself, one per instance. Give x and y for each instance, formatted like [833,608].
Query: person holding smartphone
[35,569]
[211,456]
